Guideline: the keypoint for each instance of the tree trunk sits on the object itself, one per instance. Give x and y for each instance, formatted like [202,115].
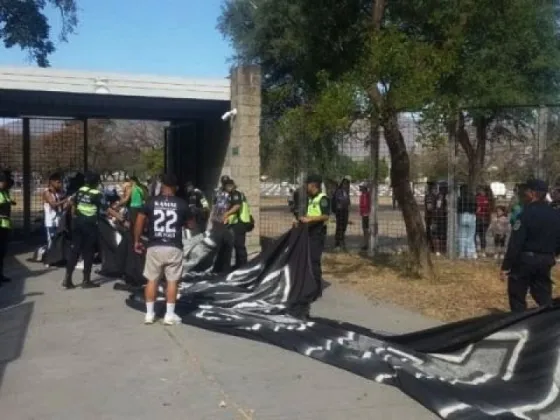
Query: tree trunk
[421,262]
[475,153]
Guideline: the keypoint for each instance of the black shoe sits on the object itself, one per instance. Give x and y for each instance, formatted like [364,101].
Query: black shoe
[88,284]
[67,283]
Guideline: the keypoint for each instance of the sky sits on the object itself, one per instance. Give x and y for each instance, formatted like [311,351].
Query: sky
[152,37]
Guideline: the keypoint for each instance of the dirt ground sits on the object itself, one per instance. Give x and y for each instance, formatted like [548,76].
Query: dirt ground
[462,289]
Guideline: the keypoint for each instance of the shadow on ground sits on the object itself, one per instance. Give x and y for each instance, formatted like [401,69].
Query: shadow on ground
[15,311]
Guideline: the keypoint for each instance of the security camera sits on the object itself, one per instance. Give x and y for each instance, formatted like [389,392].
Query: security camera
[229,114]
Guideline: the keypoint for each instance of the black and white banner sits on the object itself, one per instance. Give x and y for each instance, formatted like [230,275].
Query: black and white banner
[494,367]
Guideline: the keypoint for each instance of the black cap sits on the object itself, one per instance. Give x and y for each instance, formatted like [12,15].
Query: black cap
[228,181]
[537,185]
[314,179]
[169,180]
[224,179]
[91,178]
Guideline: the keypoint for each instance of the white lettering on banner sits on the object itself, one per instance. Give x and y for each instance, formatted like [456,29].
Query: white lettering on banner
[164,223]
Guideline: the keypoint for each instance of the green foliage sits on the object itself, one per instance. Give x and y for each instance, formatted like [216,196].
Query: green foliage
[25,24]
[153,161]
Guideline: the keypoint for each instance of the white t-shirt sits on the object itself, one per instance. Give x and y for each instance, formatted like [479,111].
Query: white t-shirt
[51,215]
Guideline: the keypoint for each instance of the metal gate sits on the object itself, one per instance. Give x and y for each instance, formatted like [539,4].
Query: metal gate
[33,149]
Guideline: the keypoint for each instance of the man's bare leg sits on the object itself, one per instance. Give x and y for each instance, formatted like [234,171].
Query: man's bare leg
[171,295]
[150,292]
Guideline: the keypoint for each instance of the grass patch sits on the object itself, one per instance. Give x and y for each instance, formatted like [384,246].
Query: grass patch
[461,289]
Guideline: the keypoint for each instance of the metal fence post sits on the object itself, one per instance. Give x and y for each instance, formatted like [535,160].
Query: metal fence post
[86,143]
[542,134]
[374,205]
[26,176]
[452,190]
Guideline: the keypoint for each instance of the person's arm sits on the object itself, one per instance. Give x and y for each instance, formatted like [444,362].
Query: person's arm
[515,244]
[235,200]
[139,225]
[49,199]
[127,192]
[203,202]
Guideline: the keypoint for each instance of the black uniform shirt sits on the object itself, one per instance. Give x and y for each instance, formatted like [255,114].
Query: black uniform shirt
[194,198]
[235,198]
[166,217]
[537,230]
[89,197]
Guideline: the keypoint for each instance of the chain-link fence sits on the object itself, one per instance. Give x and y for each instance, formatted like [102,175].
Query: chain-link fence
[67,146]
[55,145]
[490,152]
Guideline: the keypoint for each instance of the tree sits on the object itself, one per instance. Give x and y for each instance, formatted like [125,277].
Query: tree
[506,54]
[439,56]
[354,43]
[25,24]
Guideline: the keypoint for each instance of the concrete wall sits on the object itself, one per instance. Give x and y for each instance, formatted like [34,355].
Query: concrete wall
[201,150]
[243,155]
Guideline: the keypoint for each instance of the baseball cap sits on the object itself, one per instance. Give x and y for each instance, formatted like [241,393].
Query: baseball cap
[314,179]
[228,181]
[537,185]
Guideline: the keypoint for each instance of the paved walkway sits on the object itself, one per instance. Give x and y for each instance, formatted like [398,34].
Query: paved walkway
[85,355]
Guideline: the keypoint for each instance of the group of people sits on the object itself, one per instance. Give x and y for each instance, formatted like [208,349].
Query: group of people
[477,215]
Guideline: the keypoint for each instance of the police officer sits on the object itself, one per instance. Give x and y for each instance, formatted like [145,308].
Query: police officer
[86,206]
[198,205]
[316,218]
[534,243]
[6,204]
[237,217]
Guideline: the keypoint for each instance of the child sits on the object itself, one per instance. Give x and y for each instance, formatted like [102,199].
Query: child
[365,205]
[500,227]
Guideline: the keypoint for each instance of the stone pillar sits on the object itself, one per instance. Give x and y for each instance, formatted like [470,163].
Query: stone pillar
[243,155]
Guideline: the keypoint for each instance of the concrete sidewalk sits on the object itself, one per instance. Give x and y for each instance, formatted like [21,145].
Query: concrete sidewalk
[84,355]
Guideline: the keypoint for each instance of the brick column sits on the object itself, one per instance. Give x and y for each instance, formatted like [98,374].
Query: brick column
[243,155]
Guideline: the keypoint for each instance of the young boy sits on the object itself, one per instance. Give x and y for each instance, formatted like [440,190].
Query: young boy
[500,228]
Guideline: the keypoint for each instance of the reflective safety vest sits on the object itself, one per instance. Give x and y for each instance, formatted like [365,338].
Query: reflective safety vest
[85,204]
[5,219]
[314,205]
[243,215]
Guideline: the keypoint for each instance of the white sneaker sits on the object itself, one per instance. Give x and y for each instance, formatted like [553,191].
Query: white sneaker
[172,319]
[149,319]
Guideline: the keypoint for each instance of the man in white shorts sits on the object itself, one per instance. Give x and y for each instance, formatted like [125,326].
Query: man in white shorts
[166,215]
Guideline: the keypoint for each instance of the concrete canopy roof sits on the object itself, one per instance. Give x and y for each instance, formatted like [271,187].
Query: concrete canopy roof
[52,92]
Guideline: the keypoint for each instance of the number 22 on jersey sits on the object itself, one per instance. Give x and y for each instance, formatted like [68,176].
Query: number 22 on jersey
[165,222]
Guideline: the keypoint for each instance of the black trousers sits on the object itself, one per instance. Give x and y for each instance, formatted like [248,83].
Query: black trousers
[481,230]
[341,217]
[316,247]
[239,232]
[84,242]
[429,237]
[531,274]
[4,238]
